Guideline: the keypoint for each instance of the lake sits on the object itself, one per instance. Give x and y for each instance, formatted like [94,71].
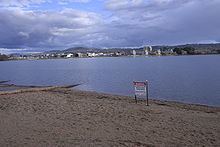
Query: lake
[190,79]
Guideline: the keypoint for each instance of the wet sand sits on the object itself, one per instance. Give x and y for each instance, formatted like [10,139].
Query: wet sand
[64,117]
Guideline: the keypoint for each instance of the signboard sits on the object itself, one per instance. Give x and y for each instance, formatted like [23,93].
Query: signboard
[140,89]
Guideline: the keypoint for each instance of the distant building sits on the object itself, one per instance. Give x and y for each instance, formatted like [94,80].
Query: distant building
[69,55]
[100,54]
[146,53]
[148,48]
[134,53]
[118,53]
[91,54]
[167,52]
[158,52]
[80,55]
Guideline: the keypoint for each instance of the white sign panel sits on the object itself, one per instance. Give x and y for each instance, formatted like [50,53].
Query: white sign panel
[141,88]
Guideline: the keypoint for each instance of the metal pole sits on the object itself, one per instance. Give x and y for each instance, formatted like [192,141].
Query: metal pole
[147,93]
[135,98]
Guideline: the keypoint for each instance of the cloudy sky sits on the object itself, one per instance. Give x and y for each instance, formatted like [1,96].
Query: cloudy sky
[38,25]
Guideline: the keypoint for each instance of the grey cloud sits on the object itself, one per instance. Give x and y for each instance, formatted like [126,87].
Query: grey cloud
[75,1]
[20,3]
[131,23]
[45,29]
[165,21]
[28,3]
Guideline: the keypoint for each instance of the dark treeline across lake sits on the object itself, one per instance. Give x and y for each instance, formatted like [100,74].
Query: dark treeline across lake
[190,79]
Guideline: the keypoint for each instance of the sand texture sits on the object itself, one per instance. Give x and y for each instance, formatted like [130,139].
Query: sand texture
[64,117]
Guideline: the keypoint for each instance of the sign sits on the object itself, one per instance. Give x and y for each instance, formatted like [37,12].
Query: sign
[141,88]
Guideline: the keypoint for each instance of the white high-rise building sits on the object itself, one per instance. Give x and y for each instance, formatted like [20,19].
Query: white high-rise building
[148,48]
[158,52]
[134,53]
[146,52]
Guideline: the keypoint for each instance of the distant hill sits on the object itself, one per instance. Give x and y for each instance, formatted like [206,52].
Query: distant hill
[210,47]
[80,49]
[214,46]
[203,46]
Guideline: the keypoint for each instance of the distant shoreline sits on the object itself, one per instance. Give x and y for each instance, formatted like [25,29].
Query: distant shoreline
[109,57]
[145,50]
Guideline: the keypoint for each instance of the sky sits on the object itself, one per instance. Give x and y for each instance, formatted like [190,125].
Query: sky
[42,25]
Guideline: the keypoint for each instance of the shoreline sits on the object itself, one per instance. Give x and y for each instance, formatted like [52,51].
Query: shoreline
[65,117]
[31,89]
[150,98]
[14,89]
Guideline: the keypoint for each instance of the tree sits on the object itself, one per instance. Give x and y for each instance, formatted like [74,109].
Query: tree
[3,57]
[189,50]
[178,50]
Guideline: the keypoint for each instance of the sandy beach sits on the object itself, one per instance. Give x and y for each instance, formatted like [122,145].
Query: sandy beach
[64,117]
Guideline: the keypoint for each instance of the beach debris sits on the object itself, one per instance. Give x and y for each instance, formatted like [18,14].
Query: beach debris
[25,88]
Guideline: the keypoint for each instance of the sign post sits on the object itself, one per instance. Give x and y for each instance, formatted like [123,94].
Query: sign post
[141,88]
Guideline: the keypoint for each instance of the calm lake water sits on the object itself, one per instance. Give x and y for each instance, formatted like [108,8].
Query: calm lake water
[191,79]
